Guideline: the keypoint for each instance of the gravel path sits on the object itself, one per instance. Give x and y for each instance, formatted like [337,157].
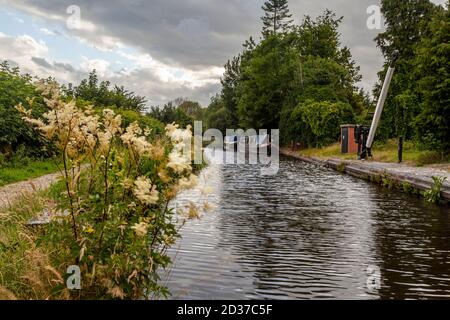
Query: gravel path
[11,192]
[423,172]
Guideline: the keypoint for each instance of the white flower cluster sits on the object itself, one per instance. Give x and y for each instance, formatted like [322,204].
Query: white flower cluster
[145,192]
[140,229]
[75,131]
[180,157]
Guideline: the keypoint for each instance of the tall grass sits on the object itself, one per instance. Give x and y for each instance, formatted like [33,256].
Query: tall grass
[383,152]
[26,270]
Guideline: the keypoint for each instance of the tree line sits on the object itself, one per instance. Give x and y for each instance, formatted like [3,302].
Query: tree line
[299,78]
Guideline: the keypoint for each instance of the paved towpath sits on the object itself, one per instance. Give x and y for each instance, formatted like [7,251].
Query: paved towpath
[419,177]
[11,192]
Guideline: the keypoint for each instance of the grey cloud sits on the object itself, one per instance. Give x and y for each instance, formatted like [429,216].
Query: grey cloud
[59,67]
[196,33]
[64,66]
[42,62]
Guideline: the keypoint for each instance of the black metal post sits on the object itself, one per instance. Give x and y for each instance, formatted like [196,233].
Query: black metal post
[400,149]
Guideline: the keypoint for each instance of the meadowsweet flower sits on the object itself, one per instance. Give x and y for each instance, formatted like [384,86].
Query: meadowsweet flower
[192,211]
[116,292]
[178,135]
[157,151]
[128,184]
[112,122]
[147,131]
[134,139]
[178,162]
[35,122]
[22,110]
[140,229]
[189,182]
[145,192]
[162,174]
[104,139]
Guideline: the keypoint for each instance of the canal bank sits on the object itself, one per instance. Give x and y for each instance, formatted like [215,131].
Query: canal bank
[393,175]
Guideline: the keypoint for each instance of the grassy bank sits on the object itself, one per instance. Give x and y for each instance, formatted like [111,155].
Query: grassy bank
[21,172]
[384,152]
[26,270]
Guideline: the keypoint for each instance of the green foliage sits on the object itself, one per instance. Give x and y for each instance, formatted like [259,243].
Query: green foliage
[17,89]
[268,81]
[418,103]
[24,168]
[181,111]
[144,121]
[434,194]
[407,187]
[101,95]
[387,181]
[317,124]
[218,116]
[433,86]
[429,157]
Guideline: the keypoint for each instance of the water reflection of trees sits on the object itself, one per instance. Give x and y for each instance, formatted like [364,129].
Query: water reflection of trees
[293,236]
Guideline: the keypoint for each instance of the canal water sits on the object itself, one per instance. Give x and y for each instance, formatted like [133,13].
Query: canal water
[308,233]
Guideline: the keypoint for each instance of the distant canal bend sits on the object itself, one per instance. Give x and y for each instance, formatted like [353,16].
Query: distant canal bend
[308,233]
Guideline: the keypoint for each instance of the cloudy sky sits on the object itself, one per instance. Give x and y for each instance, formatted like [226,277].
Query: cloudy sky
[162,49]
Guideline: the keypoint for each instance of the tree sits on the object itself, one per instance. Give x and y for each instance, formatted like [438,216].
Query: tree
[316,124]
[229,81]
[181,111]
[217,115]
[307,63]
[268,80]
[432,74]
[276,17]
[100,94]
[18,89]
[406,24]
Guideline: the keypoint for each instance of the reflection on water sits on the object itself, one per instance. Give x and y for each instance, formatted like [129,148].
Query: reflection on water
[308,233]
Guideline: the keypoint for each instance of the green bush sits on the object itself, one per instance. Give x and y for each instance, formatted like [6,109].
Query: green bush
[144,121]
[317,124]
[18,89]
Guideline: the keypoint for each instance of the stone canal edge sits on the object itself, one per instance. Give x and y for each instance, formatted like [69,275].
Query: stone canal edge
[390,174]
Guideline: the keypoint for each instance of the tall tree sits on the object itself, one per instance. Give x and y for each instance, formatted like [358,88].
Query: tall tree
[229,82]
[432,79]
[276,17]
[406,24]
